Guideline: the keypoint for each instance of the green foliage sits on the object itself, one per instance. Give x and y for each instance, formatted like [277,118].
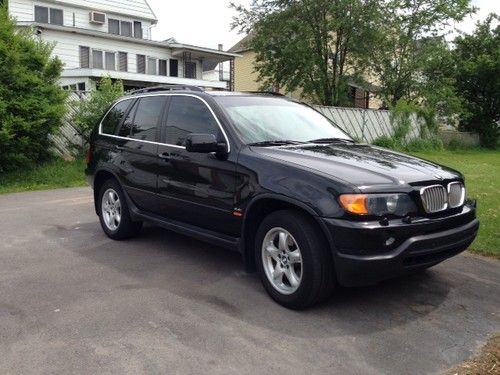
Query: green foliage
[477,75]
[91,110]
[401,117]
[313,45]
[53,174]
[412,43]
[31,102]
[388,142]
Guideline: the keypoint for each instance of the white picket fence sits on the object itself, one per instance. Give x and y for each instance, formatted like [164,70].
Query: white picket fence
[366,125]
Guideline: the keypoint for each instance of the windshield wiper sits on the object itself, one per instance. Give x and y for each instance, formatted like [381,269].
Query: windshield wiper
[330,140]
[276,142]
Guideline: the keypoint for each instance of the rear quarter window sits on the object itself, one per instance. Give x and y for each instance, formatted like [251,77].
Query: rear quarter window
[110,123]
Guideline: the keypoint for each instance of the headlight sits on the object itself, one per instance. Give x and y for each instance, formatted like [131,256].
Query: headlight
[378,204]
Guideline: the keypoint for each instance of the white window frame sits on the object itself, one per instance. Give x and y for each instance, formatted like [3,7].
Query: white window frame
[92,58]
[120,20]
[48,10]
[156,65]
[104,60]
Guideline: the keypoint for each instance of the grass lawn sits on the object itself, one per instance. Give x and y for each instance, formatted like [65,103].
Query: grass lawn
[51,175]
[482,180]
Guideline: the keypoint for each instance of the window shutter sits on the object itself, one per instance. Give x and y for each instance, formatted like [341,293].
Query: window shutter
[122,61]
[141,64]
[84,57]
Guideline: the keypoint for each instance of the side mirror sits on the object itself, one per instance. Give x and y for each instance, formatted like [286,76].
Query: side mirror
[203,143]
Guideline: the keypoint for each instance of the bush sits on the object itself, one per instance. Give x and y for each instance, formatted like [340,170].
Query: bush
[91,110]
[387,142]
[31,101]
[424,144]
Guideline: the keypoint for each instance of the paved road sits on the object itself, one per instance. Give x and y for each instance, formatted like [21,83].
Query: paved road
[73,301]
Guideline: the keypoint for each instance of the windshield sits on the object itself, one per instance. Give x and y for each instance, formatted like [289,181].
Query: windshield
[263,119]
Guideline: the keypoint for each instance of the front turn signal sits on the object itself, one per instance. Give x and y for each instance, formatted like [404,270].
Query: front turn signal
[355,203]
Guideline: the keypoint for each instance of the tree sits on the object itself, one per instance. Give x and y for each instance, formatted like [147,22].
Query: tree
[477,75]
[314,45]
[412,37]
[91,110]
[31,101]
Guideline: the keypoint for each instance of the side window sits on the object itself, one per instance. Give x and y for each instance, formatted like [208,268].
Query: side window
[126,127]
[147,117]
[189,115]
[114,116]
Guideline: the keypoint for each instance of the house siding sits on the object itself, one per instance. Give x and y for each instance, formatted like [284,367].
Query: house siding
[138,9]
[77,17]
[67,48]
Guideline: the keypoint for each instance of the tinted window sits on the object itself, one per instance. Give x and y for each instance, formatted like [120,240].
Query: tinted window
[189,115]
[147,117]
[126,127]
[112,119]
[41,14]
[56,16]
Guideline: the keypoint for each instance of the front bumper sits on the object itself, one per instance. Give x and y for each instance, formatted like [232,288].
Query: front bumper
[367,252]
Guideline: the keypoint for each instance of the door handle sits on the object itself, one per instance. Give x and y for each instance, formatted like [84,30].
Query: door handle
[119,148]
[164,156]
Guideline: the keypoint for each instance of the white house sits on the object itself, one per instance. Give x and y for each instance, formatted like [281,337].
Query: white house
[96,38]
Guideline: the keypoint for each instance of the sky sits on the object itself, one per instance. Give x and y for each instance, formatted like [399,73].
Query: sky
[206,23]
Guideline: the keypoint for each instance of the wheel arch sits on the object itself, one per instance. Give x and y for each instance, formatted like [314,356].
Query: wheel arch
[101,176]
[262,206]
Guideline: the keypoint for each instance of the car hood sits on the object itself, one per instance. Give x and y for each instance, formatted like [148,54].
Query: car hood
[361,165]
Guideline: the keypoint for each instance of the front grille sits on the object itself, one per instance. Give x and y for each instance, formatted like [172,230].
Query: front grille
[434,198]
[456,194]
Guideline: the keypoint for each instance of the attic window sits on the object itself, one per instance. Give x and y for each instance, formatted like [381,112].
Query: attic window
[137,29]
[113,26]
[126,28]
[53,16]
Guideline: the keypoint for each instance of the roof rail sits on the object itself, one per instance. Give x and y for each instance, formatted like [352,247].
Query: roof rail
[272,93]
[166,88]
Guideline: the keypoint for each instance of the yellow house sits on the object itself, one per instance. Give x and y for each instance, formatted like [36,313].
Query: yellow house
[246,79]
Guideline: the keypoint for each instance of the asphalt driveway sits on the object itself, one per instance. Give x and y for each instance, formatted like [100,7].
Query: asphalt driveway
[73,301]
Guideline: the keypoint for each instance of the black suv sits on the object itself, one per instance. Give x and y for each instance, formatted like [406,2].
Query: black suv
[275,180]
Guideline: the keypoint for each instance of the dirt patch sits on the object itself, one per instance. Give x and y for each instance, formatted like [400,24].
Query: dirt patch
[487,362]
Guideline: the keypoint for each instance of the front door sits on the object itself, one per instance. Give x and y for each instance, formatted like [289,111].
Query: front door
[195,188]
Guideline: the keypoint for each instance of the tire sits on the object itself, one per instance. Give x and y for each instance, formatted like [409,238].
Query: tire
[112,204]
[297,285]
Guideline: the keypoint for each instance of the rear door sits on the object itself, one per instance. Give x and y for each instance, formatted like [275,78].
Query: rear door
[195,188]
[139,135]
